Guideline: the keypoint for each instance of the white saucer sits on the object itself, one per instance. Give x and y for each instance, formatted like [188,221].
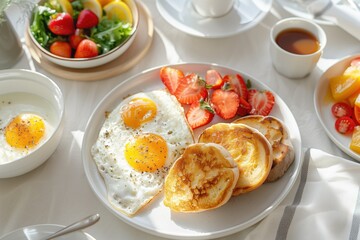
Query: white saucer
[244,15]
[293,7]
[40,231]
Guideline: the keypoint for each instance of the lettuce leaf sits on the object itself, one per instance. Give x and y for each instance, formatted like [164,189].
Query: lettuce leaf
[39,29]
[108,34]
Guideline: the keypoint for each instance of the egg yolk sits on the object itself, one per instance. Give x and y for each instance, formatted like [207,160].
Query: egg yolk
[146,153]
[25,131]
[138,112]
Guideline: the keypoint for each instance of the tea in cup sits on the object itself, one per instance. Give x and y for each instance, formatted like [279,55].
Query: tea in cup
[296,46]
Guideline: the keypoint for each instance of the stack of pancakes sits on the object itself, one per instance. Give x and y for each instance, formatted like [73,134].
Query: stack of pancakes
[229,159]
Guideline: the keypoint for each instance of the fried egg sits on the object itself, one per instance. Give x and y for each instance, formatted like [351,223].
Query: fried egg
[137,144]
[25,124]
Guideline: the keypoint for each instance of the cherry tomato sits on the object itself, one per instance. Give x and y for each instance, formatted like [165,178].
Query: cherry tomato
[344,125]
[341,109]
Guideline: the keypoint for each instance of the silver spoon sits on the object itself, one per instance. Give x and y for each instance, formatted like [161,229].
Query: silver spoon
[81,224]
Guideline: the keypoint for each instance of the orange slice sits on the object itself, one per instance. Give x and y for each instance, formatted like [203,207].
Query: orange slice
[119,10]
[343,86]
[105,2]
[66,6]
[355,140]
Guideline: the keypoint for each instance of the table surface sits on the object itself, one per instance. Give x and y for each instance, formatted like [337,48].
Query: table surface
[58,192]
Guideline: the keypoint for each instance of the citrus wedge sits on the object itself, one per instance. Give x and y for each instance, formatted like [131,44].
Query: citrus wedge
[66,6]
[94,6]
[344,86]
[104,2]
[127,2]
[355,140]
[353,98]
[119,10]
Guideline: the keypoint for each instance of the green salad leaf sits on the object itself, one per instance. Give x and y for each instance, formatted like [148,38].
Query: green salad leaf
[53,4]
[108,34]
[77,7]
[39,29]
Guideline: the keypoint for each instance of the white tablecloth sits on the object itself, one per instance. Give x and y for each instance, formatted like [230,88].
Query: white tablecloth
[58,192]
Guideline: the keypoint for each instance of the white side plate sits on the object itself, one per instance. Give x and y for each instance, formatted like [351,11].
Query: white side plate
[323,103]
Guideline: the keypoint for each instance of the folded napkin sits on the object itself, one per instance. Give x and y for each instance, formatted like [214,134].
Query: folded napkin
[324,203]
[342,15]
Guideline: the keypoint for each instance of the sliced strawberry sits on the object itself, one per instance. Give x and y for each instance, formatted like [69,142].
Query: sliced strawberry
[261,102]
[87,19]
[238,84]
[244,107]
[199,114]
[225,103]
[214,79]
[62,49]
[191,89]
[61,24]
[171,77]
[243,90]
[86,49]
[76,38]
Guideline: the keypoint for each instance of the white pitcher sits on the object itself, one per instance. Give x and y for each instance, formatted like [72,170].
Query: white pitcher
[10,45]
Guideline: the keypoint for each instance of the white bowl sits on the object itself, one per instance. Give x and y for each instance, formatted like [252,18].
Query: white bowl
[26,82]
[94,61]
[42,230]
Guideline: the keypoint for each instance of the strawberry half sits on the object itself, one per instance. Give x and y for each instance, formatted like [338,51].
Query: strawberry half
[238,84]
[244,107]
[61,24]
[171,78]
[87,19]
[62,49]
[76,38]
[191,89]
[86,49]
[261,102]
[213,79]
[199,114]
[225,103]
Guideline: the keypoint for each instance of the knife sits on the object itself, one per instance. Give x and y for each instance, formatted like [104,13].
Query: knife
[343,16]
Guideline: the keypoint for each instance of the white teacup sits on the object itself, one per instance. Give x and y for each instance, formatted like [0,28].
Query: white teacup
[296,65]
[212,8]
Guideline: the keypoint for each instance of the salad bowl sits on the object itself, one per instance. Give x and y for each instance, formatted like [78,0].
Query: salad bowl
[87,62]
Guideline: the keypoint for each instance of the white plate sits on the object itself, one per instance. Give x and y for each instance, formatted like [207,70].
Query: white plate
[40,231]
[293,7]
[239,213]
[323,103]
[244,15]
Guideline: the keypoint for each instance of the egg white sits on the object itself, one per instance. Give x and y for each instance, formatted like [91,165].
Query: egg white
[13,104]
[128,189]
